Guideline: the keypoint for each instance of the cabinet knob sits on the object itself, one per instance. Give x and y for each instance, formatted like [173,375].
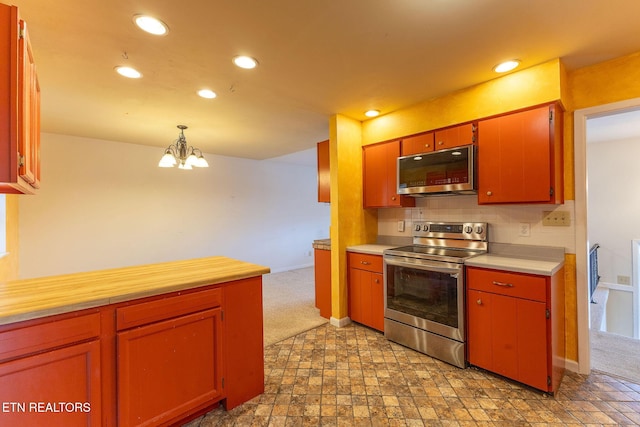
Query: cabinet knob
[479,301]
[426,145]
[377,280]
[393,197]
[440,142]
[489,193]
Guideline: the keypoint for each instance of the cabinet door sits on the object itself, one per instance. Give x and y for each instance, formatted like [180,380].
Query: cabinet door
[380,165]
[28,112]
[72,375]
[19,108]
[515,156]
[455,136]
[533,359]
[167,369]
[479,338]
[504,335]
[417,144]
[322,273]
[377,301]
[357,280]
[324,175]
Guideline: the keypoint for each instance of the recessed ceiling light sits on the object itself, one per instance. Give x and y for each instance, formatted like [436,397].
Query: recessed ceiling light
[207,93]
[129,72]
[506,66]
[246,62]
[372,113]
[151,25]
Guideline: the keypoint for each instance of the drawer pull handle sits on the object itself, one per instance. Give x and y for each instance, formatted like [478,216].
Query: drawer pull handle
[365,262]
[505,285]
[479,302]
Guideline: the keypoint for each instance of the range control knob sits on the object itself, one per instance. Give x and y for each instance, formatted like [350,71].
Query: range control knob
[417,227]
[425,227]
[479,229]
[468,229]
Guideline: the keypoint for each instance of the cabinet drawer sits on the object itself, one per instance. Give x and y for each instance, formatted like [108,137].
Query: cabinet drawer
[506,283]
[23,341]
[153,311]
[365,262]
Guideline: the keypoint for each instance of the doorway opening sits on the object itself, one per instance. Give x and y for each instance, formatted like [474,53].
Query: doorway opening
[601,209]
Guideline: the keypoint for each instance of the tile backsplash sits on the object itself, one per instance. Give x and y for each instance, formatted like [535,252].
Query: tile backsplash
[505,221]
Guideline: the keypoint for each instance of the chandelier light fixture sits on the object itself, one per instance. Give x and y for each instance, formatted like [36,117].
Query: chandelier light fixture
[179,153]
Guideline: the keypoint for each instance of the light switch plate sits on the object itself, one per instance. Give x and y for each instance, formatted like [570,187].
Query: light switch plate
[401,226]
[524,229]
[556,218]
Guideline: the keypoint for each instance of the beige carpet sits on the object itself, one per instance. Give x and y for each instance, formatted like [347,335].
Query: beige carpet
[289,304]
[616,355]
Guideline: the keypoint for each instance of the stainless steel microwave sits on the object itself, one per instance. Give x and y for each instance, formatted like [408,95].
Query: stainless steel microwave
[450,171]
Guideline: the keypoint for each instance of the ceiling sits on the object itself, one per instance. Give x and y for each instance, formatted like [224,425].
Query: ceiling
[316,58]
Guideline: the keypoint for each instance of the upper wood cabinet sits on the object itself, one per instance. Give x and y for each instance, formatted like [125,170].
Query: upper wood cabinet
[324,175]
[417,144]
[520,157]
[455,136]
[19,107]
[380,165]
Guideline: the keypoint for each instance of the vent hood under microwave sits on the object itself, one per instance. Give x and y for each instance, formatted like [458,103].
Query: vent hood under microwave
[450,171]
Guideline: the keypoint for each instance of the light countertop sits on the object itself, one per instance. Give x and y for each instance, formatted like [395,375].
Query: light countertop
[324,244]
[33,298]
[372,248]
[517,265]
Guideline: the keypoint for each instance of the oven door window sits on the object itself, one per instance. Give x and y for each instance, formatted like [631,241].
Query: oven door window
[429,295]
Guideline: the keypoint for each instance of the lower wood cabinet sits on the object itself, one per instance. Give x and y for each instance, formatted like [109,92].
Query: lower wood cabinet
[516,325]
[322,275]
[50,373]
[366,289]
[156,361]
[168,368]
[57,388]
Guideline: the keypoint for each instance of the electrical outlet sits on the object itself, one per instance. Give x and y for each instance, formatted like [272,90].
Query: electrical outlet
[624,280]
[401,226]
[556,218]
[524,229]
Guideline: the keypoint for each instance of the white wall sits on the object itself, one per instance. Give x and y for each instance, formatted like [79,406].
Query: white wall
[106,204]
[614,209]
[614,204]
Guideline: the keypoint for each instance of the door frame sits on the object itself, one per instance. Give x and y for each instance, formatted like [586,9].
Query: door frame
[580,118]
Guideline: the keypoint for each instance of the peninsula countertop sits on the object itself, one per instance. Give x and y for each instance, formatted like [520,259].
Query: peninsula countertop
[34,298]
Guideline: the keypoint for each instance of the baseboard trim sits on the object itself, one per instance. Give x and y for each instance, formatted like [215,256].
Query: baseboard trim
[572,365]
[339,323]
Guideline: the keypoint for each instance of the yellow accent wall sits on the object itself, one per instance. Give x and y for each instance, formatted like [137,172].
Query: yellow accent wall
[532,86]
[350,223]
[9,263]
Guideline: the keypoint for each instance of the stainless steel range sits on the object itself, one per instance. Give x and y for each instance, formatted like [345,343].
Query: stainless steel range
[424,288]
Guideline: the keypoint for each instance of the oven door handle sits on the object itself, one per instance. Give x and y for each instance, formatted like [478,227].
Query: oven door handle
[435,266]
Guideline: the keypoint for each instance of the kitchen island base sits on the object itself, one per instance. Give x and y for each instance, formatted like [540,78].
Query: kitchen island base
[153,361]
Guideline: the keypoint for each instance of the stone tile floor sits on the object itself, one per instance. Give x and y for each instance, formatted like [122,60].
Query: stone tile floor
[353,376]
